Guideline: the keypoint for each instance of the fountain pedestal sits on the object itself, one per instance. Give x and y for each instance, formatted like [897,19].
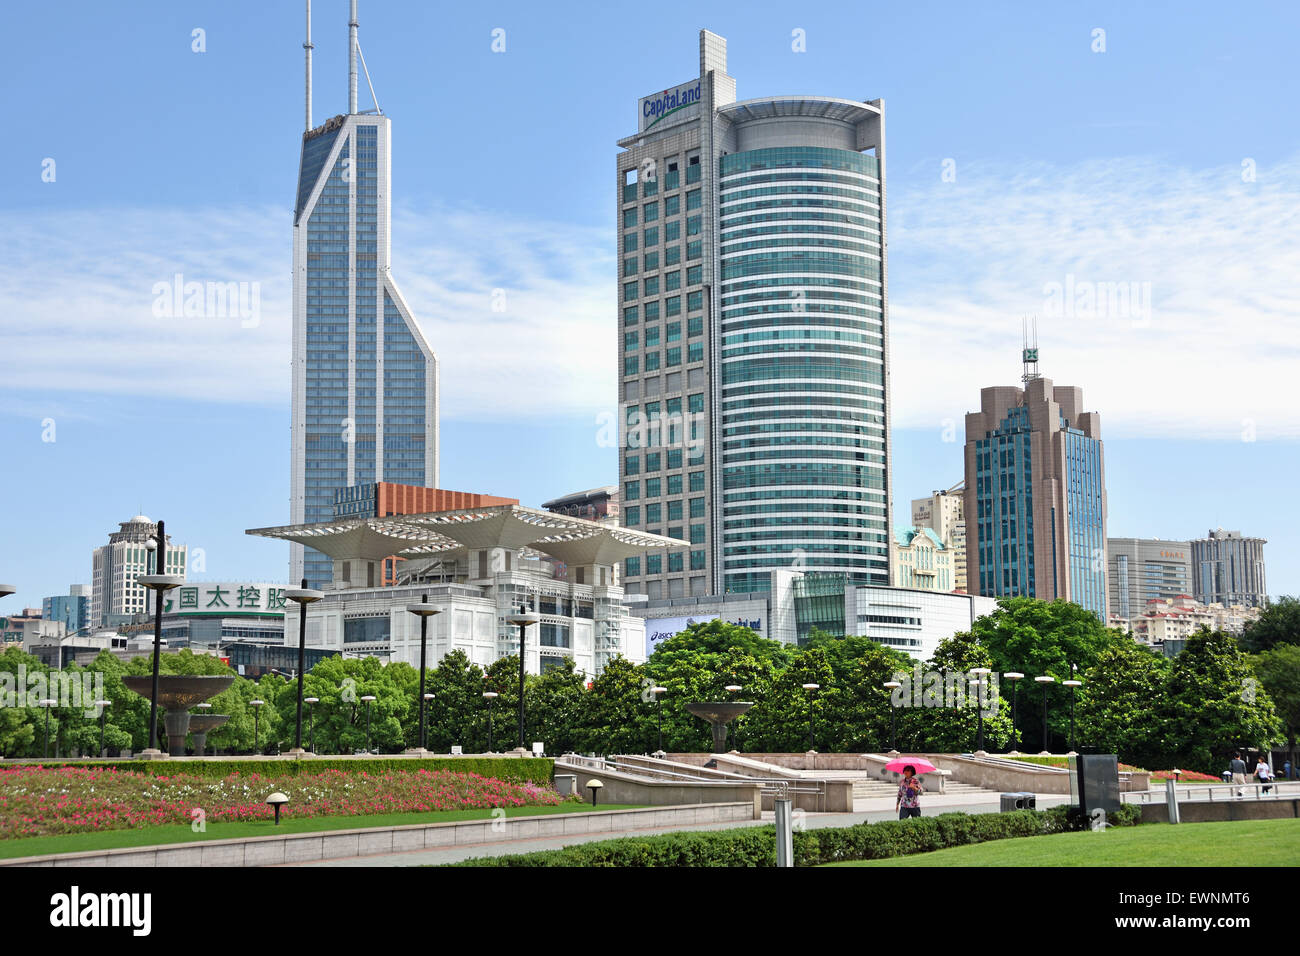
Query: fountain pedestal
[719,714]
[177,693]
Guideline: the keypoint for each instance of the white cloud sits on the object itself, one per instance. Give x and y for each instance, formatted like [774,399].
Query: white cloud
[1215,350]
[968,259]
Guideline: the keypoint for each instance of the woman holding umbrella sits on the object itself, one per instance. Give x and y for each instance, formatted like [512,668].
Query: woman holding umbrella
[908,803]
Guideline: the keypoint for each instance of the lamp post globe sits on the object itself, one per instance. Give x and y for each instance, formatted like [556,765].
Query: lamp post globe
[159,583]
[1015,677]
[103,706]
[424,610]
[522,619]
[301,596]
[1045,681]
[981,682]
[1072,684]
[891,686]
[256,704]
[490,696]
[48,704]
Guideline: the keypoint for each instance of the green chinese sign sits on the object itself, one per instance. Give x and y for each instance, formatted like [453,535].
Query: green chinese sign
[222,597]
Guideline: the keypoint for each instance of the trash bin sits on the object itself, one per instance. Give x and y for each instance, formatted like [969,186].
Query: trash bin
[1022,800]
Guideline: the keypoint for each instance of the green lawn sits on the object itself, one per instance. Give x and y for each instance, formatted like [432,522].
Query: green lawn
[181,833]
[1238,843]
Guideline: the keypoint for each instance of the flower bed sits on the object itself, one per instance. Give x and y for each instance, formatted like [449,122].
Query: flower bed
[37,801]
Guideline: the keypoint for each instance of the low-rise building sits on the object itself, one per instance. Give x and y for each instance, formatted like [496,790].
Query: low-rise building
[921,560]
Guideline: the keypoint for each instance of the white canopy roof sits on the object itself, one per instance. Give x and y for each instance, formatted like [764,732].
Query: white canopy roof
[514,527]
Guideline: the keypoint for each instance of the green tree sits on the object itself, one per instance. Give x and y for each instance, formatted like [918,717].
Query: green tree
[1278,670]
[1214,703]
[1121,707]
[1279,623]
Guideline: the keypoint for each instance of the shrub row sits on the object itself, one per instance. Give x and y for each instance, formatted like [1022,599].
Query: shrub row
[537,770]
[756,846]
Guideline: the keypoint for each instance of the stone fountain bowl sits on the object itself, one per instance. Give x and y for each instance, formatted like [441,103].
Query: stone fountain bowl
[723,711]
[203,723]
[179,691]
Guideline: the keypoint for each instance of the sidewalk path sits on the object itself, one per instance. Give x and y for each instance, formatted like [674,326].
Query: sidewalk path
[870,810]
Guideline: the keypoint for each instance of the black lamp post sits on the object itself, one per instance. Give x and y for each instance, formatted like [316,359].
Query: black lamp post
[311,703]
[257,714]
[489,696]
[1045,681]
[890,687]
[523,618]
[981,675]
[659,706]
[368,699]
[48,704]
[424,704]
[423,611]
[159,583]
[812,690]
[1015,677]
[103,706]
[302,596]
[1072,684]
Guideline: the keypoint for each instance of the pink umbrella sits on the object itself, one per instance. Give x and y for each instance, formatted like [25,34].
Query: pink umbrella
[916,763]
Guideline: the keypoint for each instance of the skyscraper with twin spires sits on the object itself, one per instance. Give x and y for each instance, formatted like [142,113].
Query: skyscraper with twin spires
[365,381]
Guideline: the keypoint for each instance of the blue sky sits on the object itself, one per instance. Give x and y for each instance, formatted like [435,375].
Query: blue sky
[1169,162]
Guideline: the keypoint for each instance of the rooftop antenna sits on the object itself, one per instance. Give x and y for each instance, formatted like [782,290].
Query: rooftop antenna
[1029,350]
[308,47]
[352,59]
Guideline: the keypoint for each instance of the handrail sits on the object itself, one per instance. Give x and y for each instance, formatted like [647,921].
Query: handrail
[1230,792]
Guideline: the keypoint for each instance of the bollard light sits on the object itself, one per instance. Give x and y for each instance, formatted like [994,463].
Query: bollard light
[595,786]
[277,800]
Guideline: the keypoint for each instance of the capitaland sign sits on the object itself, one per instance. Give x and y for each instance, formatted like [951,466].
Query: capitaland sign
[659,106]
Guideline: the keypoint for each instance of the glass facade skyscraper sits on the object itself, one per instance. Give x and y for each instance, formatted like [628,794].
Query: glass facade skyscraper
[1036,496]
[365,388]
[753,365]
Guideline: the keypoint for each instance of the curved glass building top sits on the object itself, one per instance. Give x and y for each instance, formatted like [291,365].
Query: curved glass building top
[803,437]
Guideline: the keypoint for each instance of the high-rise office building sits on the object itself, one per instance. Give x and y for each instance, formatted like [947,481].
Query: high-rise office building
[115,595]
[73,608]
[753,358]
[1228,569]
[1036,495]
[1143,570]
[365,382]
[944,513]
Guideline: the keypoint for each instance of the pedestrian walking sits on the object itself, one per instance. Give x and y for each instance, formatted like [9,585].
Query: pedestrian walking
[1264,774]
[908,803]
[1238,768]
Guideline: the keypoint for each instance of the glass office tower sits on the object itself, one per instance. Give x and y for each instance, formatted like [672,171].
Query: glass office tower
[753,364]
[1036,496]
[365,399]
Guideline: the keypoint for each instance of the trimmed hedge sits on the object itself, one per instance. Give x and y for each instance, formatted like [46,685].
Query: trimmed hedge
[756,846]
[538,770]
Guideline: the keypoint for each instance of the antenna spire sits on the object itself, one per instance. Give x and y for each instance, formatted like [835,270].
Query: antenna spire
[352,59]
[308,47]
[1029,349]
